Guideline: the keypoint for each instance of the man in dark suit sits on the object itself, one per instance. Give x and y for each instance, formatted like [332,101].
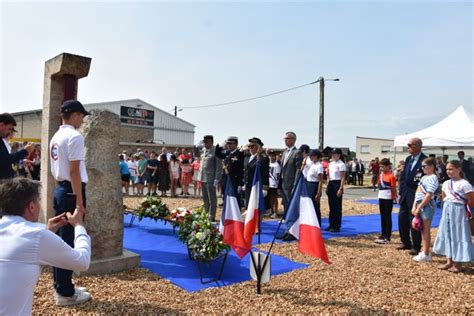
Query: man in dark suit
[466,166]
[291,162]
[409,180]
[7,126]
[360,169]
[233,160]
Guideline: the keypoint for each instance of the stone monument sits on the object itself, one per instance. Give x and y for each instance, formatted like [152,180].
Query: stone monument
[61,75]
[104,218]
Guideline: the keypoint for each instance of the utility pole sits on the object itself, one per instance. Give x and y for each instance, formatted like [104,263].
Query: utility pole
[321,81]
[321,114]
[175,110]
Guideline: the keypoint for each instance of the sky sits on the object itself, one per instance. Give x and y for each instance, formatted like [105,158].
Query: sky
[402,65]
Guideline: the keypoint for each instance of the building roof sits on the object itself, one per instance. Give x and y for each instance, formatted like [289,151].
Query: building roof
[114,102]
[143,102]
[375,138]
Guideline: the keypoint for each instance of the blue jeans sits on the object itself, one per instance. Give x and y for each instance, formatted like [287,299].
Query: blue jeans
[63,278]
[428,211]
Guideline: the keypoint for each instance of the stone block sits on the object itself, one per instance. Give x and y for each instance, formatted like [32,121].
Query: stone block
[126,261]
[104,218]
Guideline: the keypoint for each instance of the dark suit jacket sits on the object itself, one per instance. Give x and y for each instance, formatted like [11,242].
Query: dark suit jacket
[409,181]
[249,173]
[234,163]
[290,169]
[466,168]
[360,169]
[6,160]
[250,168]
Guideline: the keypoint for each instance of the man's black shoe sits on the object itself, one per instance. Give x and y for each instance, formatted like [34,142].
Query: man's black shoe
[414,251]
[328,228]
[281,237]
[289,237]
[403,247]
[334,230]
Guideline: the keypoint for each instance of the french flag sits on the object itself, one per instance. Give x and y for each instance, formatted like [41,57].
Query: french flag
[302,223]
[232,224]
[255,209]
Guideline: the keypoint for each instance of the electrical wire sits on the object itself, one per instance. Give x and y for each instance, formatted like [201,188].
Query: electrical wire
[248,99]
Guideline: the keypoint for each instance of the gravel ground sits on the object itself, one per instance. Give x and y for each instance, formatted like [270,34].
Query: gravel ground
[364,278]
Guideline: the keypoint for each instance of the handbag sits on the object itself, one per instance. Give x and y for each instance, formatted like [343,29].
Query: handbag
[417,223]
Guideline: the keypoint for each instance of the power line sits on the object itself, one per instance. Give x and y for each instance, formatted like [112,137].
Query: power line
[248,99]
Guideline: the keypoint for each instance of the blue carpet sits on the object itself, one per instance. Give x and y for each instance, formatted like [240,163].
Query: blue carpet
[162,253]
[352,225]
[165,255]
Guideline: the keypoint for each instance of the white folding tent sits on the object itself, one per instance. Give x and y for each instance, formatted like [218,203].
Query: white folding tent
[454,131]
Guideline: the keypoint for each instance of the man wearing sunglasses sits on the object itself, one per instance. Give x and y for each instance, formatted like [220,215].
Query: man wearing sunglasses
[409,179]
[7,127]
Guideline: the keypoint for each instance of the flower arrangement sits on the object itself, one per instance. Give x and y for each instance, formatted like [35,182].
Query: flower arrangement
[204,240]
[152,207]
[178,215]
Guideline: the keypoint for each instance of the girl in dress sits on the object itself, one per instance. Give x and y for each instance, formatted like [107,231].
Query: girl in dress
[174,170]
[454,233]
[186,175]
[197,184]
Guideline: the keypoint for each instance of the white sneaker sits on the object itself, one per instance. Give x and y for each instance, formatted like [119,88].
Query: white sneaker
[80,289]
[422,257]
[380,241]
[79,297]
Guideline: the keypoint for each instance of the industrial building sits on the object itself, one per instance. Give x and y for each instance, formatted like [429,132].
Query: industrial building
[142,125]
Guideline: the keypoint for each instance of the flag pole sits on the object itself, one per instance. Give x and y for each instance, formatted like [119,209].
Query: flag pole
[259,273]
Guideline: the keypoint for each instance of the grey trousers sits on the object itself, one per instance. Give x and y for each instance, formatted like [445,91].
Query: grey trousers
[286,194]
[210,199]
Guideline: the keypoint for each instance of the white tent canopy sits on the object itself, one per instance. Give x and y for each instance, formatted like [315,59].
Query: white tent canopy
[456,130]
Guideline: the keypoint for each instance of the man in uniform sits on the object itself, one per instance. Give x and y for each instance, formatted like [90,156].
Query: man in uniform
[234,163]
[69,171]
[210,174]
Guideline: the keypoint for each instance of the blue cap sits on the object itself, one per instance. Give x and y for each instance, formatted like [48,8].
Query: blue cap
[71,106]
[315,152]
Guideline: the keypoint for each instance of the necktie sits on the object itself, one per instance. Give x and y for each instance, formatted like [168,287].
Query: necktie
[410,164]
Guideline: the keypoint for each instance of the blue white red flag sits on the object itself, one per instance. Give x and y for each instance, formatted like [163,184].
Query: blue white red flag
[255,209]
[302,222]
[232,223]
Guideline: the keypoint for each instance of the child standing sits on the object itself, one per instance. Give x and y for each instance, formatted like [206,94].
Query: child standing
[186,175]
[196,172]
[387,184]
[454,233]
[425,206]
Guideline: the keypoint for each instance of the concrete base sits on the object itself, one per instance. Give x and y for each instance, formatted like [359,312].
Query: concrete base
[128,260]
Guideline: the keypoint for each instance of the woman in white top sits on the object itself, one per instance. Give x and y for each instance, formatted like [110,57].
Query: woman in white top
[335,189]
[314,180]
[306,159]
